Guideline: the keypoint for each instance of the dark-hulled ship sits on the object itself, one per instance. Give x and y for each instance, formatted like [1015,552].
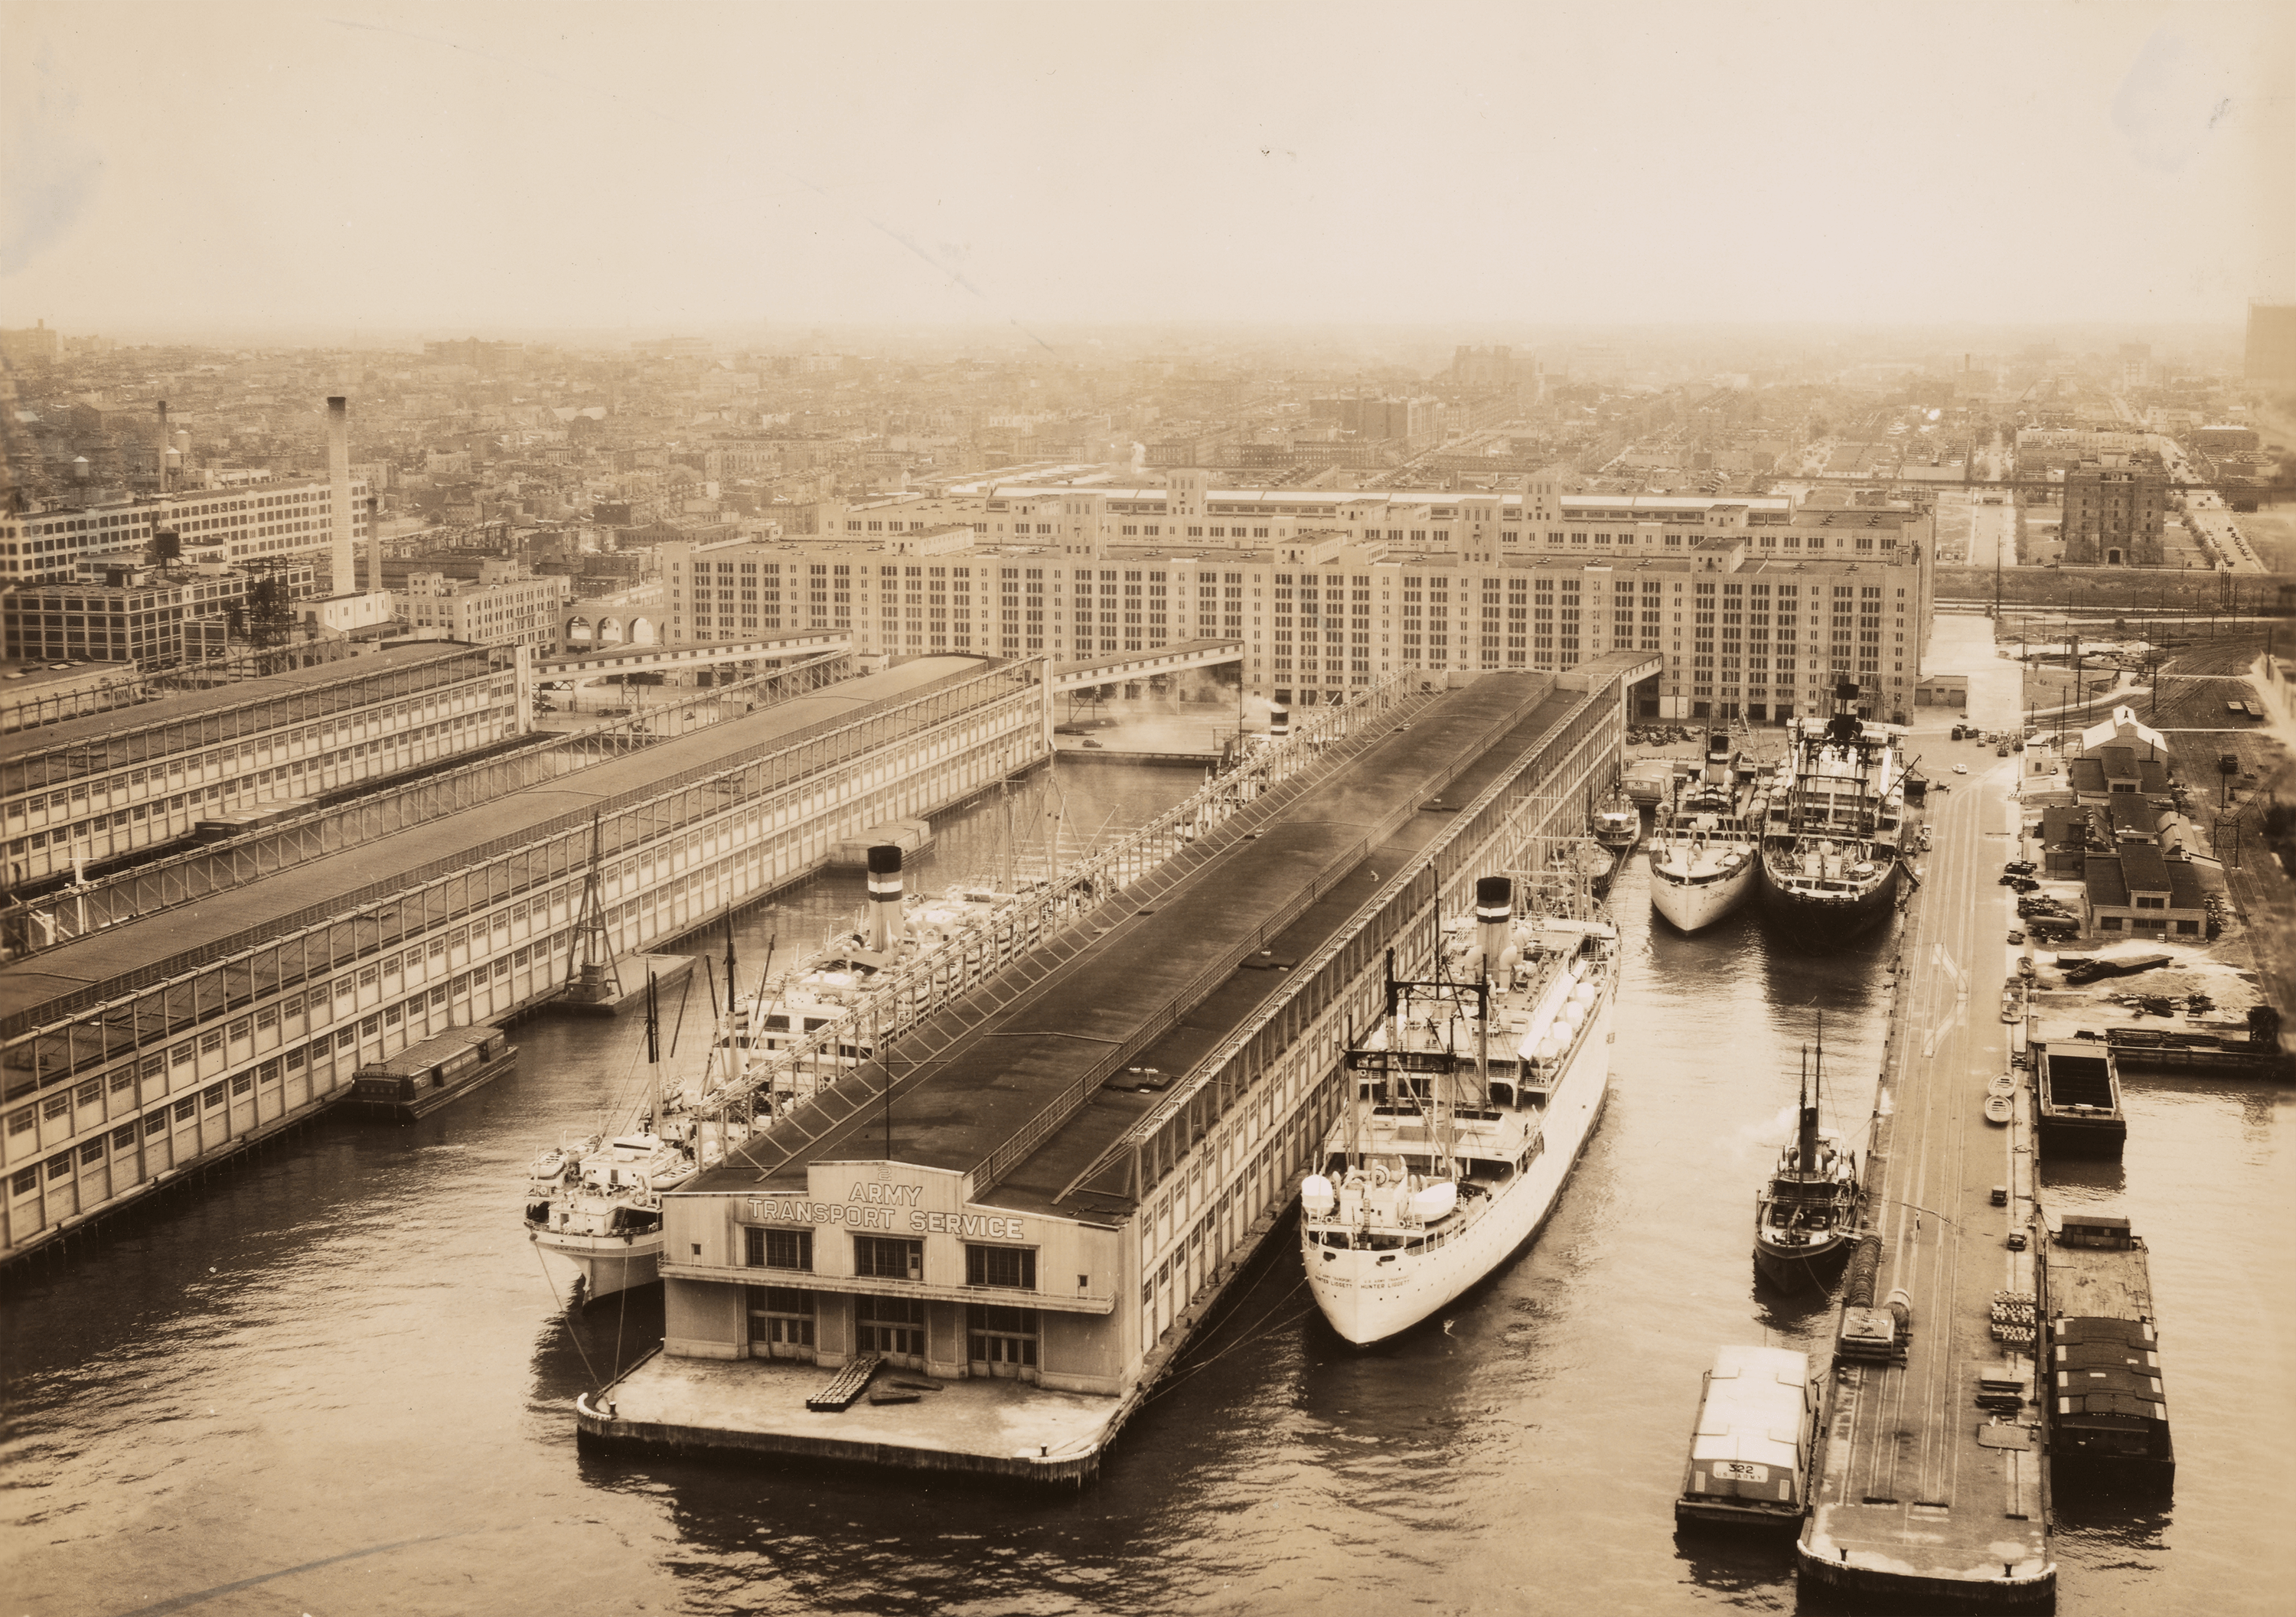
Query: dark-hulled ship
[1832,821]
[1805,1217]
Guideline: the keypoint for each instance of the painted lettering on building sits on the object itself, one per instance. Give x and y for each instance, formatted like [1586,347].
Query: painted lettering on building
[860,1215]
[965,1224]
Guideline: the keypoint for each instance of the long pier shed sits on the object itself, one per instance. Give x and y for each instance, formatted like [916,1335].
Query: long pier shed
[1067,1168]
[166,1042]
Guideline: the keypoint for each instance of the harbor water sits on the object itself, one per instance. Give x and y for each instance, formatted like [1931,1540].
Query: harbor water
[336,1378]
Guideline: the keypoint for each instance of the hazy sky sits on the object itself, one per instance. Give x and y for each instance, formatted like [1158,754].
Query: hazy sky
[476,166]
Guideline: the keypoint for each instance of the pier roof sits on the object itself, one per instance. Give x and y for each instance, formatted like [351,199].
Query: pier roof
[1323,854]
[116,951]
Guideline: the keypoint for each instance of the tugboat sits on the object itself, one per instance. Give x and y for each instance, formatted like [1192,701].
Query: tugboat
[1806,1218]
[1473,1099]
[1830,838]
[1616,822]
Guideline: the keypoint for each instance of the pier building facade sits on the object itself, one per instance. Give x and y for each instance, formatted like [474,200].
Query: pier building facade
[1753,606]
[1055,1191]
[109,784]
[168,1041]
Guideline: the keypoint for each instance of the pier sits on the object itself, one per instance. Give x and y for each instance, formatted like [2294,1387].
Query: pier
[238,1003]
[1060,1175]
[1934,1490]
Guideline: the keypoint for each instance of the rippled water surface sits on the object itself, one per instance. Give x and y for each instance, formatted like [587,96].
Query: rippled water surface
[335,1379]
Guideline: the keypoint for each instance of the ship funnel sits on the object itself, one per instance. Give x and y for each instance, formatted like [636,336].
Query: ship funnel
[1279,723]
[884,896]
[1494,916]
[1807,1162]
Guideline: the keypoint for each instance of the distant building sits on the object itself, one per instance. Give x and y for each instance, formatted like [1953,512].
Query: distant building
[505,606]
[2221,439]
[2114,514]
[2138,891]
[133,615]
[1756,606]
[2271,342]
[252,523]
[33,345]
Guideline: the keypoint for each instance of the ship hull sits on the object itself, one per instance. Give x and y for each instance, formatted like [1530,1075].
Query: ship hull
[605,1264]
[1829,913]
[1368,1296]
[1688,906]
[1814,1267]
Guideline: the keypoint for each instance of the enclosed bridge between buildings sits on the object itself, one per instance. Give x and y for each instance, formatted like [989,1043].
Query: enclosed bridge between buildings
[1067,1166]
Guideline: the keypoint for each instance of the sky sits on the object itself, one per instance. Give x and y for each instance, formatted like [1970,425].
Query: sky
[467,168]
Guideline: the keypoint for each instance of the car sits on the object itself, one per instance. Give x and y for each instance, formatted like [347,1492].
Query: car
[2016,936]
[1961,768]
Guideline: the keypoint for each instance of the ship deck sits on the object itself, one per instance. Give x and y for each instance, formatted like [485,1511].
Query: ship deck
[1318,855]
[1923,1495]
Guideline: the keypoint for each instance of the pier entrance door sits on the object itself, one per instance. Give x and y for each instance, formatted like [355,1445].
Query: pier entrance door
[892,1326]
[1001,1341]
[781,1323]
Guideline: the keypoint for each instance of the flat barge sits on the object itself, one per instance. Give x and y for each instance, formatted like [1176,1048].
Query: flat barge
[2077,1099]
[2107,1412]
[1023,1211]
[423,1078]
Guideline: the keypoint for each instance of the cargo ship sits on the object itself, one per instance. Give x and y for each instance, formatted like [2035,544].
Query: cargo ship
[1754,1447]
[1833,821]
[1472,1101]
[1702,856]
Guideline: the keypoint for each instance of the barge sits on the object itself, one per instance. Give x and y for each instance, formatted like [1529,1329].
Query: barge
[423,1078]
[2077,1093]
[1755,1444]
[2107,1410]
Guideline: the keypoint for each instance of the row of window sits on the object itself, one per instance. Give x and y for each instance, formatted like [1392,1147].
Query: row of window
[890,1257]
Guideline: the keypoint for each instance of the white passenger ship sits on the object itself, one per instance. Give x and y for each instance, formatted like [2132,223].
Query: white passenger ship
[1472,1101]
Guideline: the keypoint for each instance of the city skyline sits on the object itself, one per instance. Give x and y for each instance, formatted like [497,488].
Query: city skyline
[411,166]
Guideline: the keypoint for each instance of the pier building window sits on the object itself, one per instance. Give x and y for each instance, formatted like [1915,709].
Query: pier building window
[791,1248]
[1000,1340]
[890,1325]
[883,1257]
[1003,1265]
[781,1320]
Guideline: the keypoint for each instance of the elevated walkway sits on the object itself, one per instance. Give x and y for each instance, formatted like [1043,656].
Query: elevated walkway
[1107,669]
[582,666]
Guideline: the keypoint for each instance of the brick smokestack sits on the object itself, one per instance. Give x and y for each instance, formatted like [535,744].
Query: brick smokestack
[341,563]
[164,446]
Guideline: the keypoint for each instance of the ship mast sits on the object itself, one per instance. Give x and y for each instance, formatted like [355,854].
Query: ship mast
[653,1059]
